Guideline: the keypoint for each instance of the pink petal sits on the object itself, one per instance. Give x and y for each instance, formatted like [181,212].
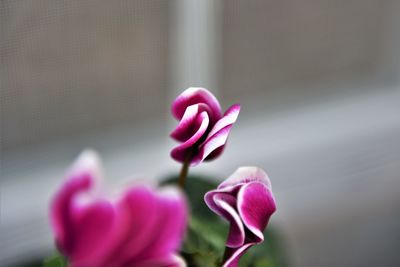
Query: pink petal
[92,226]
[81,177]
[170,261]
[149,228]
[235,255]
[215,153]
[179,152]
[195,95]
[60,211]
[188,124]
[209,196]
[168,234]
[137,217]
[213,146]
[143,225]
[224,205]
[81,220]
[245,175]
[155,227]
[255,204]
[217,141]
[229,118]
[244,198]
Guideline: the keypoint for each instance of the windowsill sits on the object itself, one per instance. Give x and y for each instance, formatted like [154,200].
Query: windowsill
[328,163]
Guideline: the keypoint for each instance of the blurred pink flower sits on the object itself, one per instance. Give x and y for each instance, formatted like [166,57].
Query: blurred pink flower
[245,199]
[202,130]
[141,227]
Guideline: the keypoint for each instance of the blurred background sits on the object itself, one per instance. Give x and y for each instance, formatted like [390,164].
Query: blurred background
[319,84]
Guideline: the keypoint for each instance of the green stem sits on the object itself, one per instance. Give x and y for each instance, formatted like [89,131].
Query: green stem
[227,253]
[185,169]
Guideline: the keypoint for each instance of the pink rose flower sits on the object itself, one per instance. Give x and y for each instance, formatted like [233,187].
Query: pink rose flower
[140,227]
[202,130]
[245,199]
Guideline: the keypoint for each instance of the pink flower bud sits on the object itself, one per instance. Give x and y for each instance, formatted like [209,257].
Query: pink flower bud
[202,130]
[245,199]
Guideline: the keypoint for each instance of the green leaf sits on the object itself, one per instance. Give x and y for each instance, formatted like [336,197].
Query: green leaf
[270,253]
[201,259]
[195,189]
[264,262]
[56,260]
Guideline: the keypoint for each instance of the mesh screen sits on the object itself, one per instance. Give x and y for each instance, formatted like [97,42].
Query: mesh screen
[269,44]
[68,67]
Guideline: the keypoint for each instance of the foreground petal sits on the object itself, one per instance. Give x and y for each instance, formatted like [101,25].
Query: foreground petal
[148,230]
[172,221]
[92,227]
[60,211]
[80,178]
[137,217]
[170,261]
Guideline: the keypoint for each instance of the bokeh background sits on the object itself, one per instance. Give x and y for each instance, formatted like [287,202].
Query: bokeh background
[319,84]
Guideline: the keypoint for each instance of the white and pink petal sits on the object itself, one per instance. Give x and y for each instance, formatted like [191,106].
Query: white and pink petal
[255,204]
[189,123]
[195,95]
[179,153]
[245,175]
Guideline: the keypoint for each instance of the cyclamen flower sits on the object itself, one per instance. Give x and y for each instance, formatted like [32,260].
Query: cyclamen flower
[245,199]
[203,129]
[141,227]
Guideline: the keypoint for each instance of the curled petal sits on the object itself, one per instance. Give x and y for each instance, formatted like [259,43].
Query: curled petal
[210,196]
[187,125]
[226,208]
[229,118]
[194,95]
[245,175]
[235,254]
[255,204]
[213,146]
[179,152]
